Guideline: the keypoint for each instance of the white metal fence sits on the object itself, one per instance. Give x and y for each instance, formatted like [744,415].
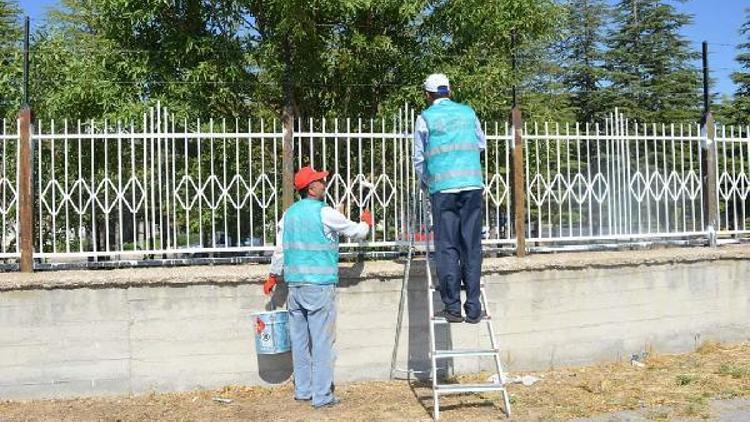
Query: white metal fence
[167,186]
[172,187]
[9,190]
[733,180]
[618,181]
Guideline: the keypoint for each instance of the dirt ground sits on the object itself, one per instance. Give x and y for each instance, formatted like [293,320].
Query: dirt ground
[665,387]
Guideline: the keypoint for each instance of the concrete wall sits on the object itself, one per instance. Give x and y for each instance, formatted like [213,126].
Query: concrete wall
[74,338]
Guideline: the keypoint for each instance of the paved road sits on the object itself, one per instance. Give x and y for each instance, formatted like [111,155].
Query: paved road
[736,410]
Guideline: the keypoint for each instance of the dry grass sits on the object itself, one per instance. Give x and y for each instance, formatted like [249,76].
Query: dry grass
[684,383]
[669,387]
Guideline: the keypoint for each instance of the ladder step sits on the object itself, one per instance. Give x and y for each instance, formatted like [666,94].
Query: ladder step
[442,320]
[467,388]
[465,352]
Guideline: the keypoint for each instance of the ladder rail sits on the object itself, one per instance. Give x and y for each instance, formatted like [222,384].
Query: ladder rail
[496,356]
[402,300]
[431,309]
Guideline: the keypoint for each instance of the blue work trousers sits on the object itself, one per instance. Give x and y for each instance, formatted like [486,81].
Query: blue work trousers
[457,220]
[312,328]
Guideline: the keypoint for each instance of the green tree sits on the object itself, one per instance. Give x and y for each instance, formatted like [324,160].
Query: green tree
[10,59]
[649,63]
[471,41]
[583,57]
[542,93]
[115,57]
[740,110]
[332,57]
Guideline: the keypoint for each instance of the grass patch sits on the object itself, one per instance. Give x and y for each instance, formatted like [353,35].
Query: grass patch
[668,388]
[685,379]
[734,371]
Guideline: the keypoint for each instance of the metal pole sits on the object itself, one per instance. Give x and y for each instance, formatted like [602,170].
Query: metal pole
[513,63]
[706,103]
[26,62]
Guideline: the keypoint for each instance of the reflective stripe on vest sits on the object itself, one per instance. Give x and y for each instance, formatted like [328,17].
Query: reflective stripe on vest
[452,150]
[309,256]
[308,269]
[455,174]
[443,149]
[301,246]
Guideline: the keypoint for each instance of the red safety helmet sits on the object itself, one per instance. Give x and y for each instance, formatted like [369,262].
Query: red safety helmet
[307,175]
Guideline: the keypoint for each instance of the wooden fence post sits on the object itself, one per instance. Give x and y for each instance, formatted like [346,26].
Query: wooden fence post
[710,198]
[25,193]
[518,192]
[287,172]
[287,118]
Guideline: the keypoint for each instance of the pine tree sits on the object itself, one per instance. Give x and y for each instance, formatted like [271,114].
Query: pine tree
[583,57]
[740,111]
[649,63]
[10,58]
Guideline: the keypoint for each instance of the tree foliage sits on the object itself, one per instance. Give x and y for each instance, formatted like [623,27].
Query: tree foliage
[348,58]
[583,58]
[739,112]
[10,59]
[113,58]
[649,63]
[109,58]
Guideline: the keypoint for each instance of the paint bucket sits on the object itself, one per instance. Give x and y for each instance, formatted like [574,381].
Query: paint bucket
[272,332]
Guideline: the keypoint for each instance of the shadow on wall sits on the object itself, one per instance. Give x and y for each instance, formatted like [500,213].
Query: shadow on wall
[419,336]
[277,368]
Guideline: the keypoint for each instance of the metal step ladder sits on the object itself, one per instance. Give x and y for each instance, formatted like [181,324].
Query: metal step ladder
[498,384]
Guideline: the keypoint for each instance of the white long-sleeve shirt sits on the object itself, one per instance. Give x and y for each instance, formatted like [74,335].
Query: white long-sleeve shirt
[335,224]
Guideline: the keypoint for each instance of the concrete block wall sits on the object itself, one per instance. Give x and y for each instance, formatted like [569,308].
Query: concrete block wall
[123,336]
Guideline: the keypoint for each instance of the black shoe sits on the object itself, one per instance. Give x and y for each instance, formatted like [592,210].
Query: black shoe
[303,399]
[334,401]
[451,317]
[475,320]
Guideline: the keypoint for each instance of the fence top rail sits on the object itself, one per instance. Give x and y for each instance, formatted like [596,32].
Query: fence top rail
[353,135]
[388,135]
[500,137]
[158,135]
[212,135]
[732,140]
[609,136]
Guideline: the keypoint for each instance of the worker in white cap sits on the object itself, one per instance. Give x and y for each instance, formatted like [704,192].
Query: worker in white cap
[448,140]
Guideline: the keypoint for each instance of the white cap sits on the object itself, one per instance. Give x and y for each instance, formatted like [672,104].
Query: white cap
[436,80]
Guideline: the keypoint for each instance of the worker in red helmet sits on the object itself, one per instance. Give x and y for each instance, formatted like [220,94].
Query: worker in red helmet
[307,255]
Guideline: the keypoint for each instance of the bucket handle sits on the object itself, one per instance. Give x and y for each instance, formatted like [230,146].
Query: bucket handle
[271,305]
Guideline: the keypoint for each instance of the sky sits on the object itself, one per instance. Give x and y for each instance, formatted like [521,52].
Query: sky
[715,21]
